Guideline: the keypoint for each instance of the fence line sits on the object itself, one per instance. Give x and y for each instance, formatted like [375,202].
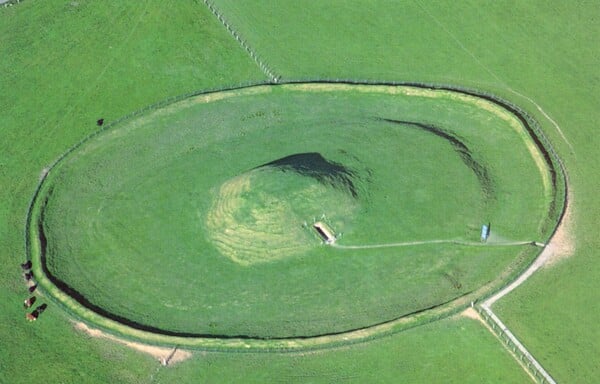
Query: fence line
[261,63]
[514,345]
[9,3]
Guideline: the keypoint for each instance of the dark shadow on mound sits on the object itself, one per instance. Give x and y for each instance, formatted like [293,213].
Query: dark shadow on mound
[461,148]
[314,165]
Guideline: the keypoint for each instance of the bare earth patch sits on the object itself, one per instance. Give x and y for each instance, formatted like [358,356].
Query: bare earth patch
[166,356]
[562,244]
[472,314]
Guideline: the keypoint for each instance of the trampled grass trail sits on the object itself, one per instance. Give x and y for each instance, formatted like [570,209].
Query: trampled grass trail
[551,120]
[439,241]
[493,74]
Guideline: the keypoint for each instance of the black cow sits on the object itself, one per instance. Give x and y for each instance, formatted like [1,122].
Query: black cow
[26,265]
[41,308]
[32,316]
[29,302]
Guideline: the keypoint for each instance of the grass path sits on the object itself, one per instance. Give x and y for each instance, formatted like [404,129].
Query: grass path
[424,242]
[550,252]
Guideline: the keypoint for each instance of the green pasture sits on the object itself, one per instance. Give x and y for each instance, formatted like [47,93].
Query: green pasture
[66,64]
[340,40]
[178,207]
[413,357]
[59,75]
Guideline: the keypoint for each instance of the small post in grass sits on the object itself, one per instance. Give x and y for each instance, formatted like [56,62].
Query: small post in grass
[485,232]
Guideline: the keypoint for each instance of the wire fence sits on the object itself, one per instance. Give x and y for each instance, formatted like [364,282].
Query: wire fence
[259,61]
[9,3]
[515,347]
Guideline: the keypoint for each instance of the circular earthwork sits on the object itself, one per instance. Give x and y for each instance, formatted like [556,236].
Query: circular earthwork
[293,215]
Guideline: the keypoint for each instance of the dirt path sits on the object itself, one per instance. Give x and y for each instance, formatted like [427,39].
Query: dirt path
[166,356]
[561,246]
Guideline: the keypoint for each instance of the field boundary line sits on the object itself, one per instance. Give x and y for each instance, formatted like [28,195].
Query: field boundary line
[551,120]
[460,44]
[538,371]
[524,357]
[513,344]
[109,62]
[261,64]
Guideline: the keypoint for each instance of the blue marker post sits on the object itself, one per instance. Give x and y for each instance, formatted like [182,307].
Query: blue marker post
[485,232]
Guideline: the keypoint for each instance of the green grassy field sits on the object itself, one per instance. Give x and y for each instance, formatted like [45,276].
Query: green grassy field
[66,66]
[412,47]
[412,358]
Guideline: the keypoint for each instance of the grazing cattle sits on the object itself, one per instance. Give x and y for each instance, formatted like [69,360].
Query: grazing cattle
[33,316]
[29,302]
[26,265]
[28,275]
[32,288]
[41,308]
[100,122]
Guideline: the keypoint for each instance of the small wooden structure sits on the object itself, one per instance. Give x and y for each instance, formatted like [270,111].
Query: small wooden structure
[325,232]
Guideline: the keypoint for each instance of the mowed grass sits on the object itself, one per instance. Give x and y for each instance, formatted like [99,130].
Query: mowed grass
[134,211]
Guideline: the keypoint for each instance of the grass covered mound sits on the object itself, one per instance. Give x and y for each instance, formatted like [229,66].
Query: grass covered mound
[256,216]
[197,219]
